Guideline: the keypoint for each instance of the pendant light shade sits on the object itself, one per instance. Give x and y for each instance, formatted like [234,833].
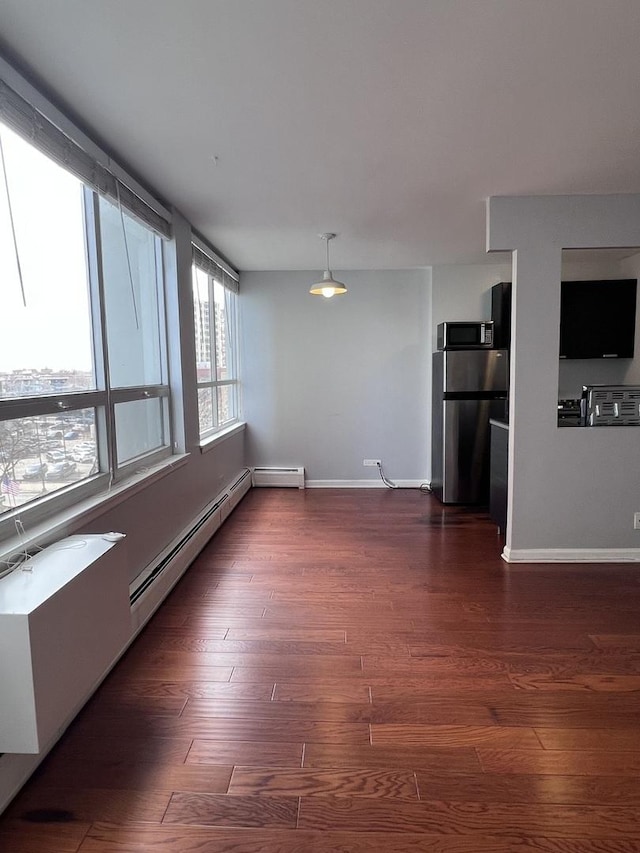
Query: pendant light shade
[328,287]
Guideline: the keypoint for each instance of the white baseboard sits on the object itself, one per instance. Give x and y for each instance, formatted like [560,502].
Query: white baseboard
[571,555]
[362,484]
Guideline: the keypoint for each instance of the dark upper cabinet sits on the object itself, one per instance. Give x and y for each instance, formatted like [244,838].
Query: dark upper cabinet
[597,318]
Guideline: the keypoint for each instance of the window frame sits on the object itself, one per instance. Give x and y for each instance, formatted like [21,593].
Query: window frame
[102,399]
[216,273]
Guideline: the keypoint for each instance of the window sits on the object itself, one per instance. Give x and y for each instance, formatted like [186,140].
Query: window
[84,395]
[215,320]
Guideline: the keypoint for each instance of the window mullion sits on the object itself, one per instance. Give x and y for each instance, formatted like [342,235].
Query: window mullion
[213,337]
[105,416]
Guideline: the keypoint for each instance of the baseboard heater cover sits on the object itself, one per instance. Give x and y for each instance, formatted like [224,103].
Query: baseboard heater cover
[63,620]
[279,477]
[176,558]
[123,624]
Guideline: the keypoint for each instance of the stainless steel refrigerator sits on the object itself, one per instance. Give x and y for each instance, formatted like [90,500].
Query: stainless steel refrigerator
[469,388]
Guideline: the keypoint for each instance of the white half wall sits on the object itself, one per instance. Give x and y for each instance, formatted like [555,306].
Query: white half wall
[329,382]
[572,490]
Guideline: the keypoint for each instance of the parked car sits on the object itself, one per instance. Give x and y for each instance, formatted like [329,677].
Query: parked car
[83,455]
[55,455]
[61,470]
[71,434]
[35,471]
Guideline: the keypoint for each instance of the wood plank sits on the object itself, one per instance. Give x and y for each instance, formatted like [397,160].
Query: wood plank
[187,689]
[124,675]
[592,683]
[319,711]
[559,762]
[135,776]
[257,648]
[109,838]
[619,643]
[435,712]
[222,810]
[566,710]
[590,739]
[170,660]
[513,788]
[222,728]
[246,753]
[552,820]
[93,747]
[320,690]
[305,782]
[445,685]
[381,665]
[127,702]
[308,670]
[20,836]
[401,757]
[89,804]
[481,641]
[425,735]
[295,634]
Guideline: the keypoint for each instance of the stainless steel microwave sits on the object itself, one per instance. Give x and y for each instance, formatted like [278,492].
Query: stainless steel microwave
[469,334]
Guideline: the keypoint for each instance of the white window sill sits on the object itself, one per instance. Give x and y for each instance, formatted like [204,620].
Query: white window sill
[65,521]
[212,441]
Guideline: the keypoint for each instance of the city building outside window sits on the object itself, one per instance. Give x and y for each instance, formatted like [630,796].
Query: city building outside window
[215,310]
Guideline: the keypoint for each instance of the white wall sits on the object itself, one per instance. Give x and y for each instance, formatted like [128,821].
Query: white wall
[463,291]
[327,383]
[572,492]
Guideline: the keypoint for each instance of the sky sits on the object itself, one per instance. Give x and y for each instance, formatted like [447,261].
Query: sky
[54,330]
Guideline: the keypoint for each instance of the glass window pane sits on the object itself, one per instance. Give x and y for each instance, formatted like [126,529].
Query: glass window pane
[139,428]
[226,404]
[131,299]
[223,302]
[205,410]
[40,455]
[46,345]
[202,324]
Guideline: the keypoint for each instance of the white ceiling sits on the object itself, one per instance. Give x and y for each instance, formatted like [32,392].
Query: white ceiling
[389,121]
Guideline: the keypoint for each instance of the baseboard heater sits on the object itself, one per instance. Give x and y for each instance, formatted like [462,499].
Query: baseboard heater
[150,587]
[281,477]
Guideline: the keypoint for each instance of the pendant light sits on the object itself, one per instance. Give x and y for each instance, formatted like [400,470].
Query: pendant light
[328,287]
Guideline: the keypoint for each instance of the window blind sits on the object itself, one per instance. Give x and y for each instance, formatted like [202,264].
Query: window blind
[212,267]
[29,123]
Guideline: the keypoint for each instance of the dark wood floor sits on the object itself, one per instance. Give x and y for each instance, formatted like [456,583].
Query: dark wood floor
[358,671]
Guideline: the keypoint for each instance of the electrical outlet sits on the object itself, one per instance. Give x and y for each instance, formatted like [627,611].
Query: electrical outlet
[371,463]
[636,520]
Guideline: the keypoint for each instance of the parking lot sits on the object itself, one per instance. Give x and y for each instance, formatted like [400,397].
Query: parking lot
[59,463]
